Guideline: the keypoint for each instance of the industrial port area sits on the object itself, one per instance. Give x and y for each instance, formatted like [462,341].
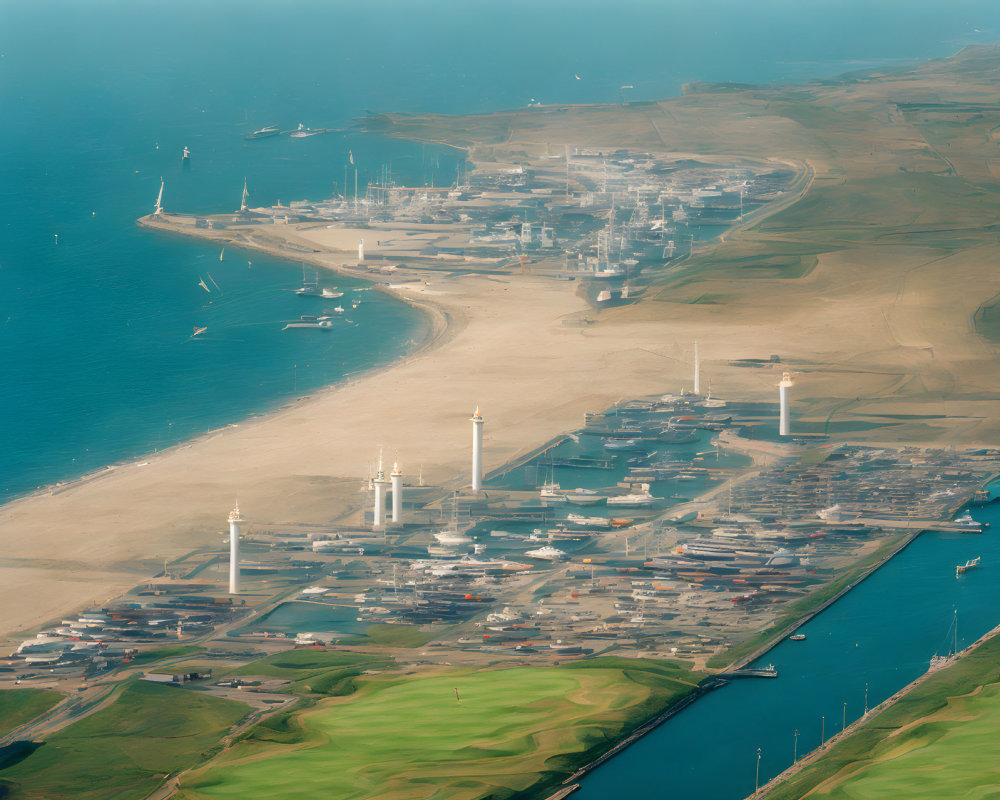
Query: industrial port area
[612,220]
[544,439]
[671,527]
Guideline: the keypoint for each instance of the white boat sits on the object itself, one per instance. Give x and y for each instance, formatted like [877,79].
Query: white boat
[547,553]
[451,538]
[264,133]
[302,131]
[470,565]
[622,444]
[551,493]
[589,522]
[635,499]
[324,545]
[323,323]
[331,293]
[973,524]
[584,497]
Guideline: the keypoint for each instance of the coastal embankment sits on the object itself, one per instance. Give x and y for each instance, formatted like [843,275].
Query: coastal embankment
[871,717]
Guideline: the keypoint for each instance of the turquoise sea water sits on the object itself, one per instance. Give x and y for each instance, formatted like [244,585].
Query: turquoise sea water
[99,97]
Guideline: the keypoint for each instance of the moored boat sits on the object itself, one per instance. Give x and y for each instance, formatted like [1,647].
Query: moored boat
[584,497]
[589,522]
[547,553]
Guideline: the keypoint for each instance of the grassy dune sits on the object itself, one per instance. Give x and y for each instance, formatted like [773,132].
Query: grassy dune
[940,741]
[513,730]
[885,246]
[18,706]
[124,751]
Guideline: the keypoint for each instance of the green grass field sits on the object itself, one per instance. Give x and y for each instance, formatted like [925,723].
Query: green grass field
[940,741]
[123,751]
[954,753]
[393,636]
[159,653]
[513,730]
[315,672]
[18,706]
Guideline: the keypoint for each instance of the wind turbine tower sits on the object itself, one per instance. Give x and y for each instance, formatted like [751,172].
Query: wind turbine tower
[477,451]
[397,493]
[784,426]
[378,517]
[234,549]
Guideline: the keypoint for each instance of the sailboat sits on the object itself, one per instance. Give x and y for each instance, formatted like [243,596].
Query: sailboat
[939,661]
[309,289]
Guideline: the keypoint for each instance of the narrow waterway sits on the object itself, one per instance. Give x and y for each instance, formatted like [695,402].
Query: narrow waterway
[880,635]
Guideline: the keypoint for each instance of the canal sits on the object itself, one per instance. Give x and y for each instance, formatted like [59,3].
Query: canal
[880,636]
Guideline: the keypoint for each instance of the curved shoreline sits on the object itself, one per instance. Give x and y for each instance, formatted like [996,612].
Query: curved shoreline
[439,329]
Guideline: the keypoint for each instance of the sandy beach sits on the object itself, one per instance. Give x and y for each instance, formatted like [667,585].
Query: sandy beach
[878,333]
[534,357]
[517,347]
[506,349]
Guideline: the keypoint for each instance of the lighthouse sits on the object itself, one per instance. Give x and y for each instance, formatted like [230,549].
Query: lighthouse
[477,451]
[784,426]
[234,549]
[361,250]
[697,371]
[397,493]
[378,517]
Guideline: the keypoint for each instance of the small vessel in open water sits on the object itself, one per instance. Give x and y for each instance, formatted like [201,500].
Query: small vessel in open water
[323,323]
[264,133]
[970,564]
[302,131]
